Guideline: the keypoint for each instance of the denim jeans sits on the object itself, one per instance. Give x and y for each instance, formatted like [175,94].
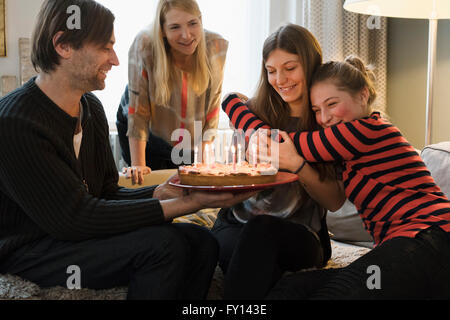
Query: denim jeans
[408,268]
[171,261]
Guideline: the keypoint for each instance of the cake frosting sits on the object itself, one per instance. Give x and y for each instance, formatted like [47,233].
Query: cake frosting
[219,174]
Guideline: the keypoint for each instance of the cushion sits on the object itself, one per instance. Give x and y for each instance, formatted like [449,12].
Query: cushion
[345,225]
[437,159]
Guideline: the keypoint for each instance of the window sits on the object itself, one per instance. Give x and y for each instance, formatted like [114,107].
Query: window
[130,19]
[244,23]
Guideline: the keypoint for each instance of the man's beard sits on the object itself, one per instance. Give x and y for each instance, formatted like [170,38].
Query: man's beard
[87,83]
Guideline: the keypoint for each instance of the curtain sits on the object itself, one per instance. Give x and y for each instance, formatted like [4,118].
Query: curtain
[341,33]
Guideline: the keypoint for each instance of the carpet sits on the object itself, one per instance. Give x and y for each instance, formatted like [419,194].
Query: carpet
[15,288]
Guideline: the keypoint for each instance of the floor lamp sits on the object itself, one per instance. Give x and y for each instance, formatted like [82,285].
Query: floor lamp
[432,10]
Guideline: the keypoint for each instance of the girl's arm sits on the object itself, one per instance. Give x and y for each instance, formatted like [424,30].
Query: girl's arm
[240,115]
[139,109]
[342,142]
[328,192]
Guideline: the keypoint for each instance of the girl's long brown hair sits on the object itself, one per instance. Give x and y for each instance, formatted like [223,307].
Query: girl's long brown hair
[267,103]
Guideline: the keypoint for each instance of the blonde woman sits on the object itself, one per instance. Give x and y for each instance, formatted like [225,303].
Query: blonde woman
[175,78]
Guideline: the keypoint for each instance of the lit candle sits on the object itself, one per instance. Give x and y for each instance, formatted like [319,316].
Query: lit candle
[213,155]
[195,156]
[233,152]
[239,154]
[255,161]
[226,154]
[207,154]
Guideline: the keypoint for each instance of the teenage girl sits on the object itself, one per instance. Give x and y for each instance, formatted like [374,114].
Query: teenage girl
[401,206]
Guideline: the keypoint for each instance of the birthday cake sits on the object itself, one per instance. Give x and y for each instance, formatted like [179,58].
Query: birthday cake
[219,174]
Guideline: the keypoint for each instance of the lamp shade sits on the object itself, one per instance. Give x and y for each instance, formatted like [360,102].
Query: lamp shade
[416,9]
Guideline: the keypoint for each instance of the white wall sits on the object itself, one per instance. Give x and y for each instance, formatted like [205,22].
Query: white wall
[20,18]
[284,11]
[407,79]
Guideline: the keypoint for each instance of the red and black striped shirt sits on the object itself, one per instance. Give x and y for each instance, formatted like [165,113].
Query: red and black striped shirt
[384,177]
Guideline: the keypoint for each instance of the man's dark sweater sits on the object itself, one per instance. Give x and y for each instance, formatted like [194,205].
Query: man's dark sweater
[46,191]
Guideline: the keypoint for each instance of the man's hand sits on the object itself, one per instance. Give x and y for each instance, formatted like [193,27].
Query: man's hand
[198,200]
[219,199]
[166,191]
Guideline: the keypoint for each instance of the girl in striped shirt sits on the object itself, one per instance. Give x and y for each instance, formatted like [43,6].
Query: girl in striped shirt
[403,209]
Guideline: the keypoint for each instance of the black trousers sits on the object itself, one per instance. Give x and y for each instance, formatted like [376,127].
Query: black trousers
[400,268]
[255,255]
[158,153]
[172,261]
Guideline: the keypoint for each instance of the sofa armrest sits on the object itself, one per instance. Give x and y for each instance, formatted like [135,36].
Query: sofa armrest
[437,159]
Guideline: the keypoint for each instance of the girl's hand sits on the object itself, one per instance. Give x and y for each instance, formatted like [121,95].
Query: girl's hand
[273,151]
[262,142]
[241,96]
[136,173]
[289,158]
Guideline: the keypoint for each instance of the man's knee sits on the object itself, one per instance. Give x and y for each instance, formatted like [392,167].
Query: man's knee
[199,238]
[161,243]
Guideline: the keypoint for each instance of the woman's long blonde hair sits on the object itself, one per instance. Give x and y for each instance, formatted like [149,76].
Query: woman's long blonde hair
[163,67]
[267,103]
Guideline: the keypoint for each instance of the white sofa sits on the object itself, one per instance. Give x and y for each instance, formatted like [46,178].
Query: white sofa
[437,159]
